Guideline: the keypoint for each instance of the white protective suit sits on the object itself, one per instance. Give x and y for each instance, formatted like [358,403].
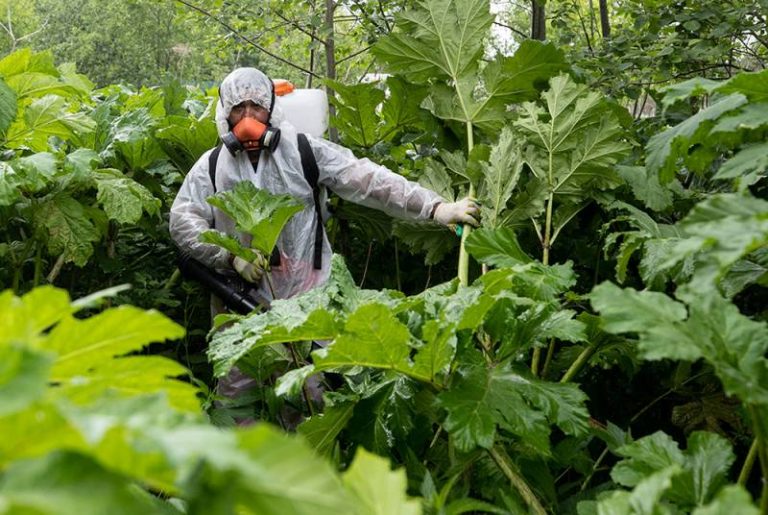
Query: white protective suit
[356,180]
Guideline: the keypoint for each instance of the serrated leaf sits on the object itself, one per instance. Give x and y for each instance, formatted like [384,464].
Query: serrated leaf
[436,178]
[302,318]
[123,199]
[8,106]
[687,89]
[63,222]
[519,77]
[229,243]
[67,483]
[748,165]
[752,85]
[480,400]
[24,60]
[257,212]
[80,164]
[665,147]
[23,319]
[185,139]
[372,337]
[84,344]
[321,430]
[46,117]
[438,350]
[432,239]
[38,84]
[23,377]
[131,376]
[265,472]
[356,115]
[377,489]
[500,176]
[574,141]
[718,232]
[646,187]
[729,500]
[37,170]
[496,247]
[715,330]
[440,38]
[702,467]
[401,107]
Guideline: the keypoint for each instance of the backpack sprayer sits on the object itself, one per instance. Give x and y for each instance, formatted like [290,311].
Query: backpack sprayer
[305,109]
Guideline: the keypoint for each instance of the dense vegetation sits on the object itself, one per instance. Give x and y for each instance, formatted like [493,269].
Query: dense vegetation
[599,345]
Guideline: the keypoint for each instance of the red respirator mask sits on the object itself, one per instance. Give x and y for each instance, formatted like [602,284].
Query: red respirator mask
[251,134]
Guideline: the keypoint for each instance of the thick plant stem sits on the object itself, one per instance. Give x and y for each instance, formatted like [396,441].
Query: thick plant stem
[579,363]
[463,272]
[56,270]
[517,481]
[749,462]
[762,452]
[546,243]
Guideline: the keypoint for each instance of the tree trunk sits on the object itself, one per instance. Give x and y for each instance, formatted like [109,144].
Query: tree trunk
[538,21]
[330,61]
[605,23]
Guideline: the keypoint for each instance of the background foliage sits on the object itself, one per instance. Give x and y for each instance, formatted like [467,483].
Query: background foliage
[604,351]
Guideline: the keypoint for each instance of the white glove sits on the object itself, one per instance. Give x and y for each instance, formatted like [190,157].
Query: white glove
[465,211]
[250,271]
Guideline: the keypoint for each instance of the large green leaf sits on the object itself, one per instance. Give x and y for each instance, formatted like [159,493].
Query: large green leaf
[25,60]
[83,344]
[67,483]
[646,187]
[521,76]
[573,142]
[665,147]
[259,470]
[710,328]
[122,198]
[497,247]
[731,499]
[313,315]
[23,377]
[356,115]
[321,430]
[8,106]
[500,176]
[433,240]
[24,319]
[704,464]
[377,489]
[46,117]
[257,212]
[748,165]
[64,223]
[372,337]
[717,233]
[439,39]
[480,400]
[185,139]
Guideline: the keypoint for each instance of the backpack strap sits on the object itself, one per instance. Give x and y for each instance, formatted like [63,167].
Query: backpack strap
[213,159]
[312,176]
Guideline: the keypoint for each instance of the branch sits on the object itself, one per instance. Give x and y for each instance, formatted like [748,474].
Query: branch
[246,39]
[350,56]
[519,33]
[384,17]
[301,29]
[760,39]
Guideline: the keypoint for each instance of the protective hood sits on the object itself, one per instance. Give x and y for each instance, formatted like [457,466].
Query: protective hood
[241,85]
